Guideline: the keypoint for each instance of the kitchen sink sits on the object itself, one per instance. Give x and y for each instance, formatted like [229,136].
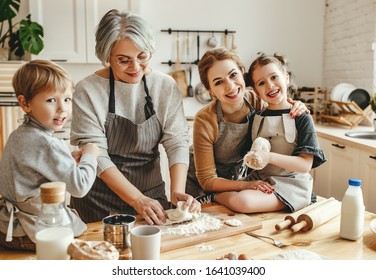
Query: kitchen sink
[362,135]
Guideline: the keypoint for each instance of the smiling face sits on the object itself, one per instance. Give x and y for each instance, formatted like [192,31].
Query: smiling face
[271,84]
[227,84]
[133,70]
[51,108]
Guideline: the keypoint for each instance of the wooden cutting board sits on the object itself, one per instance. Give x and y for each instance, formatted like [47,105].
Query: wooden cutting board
[172,242]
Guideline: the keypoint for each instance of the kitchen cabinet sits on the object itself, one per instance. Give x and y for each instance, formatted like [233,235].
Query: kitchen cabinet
[367,173]
[69,26]
[346,161]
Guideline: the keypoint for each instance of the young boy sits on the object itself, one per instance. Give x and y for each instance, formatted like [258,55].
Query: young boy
[32,155]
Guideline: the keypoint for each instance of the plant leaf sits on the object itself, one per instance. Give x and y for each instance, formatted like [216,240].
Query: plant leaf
[8,9]
[31,34]
[15,45]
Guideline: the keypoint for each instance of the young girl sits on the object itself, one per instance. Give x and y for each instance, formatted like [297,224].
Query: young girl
[221,133]
[294,145]
[32,155]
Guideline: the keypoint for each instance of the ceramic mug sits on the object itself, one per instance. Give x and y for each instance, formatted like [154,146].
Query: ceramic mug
[117,228]
[146,243]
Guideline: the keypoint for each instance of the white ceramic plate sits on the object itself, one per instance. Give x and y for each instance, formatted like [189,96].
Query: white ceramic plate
[340,90]
[372,225]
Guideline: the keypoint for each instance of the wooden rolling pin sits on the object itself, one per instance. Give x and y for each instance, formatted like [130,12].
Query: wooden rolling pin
[317,216]
[291,219]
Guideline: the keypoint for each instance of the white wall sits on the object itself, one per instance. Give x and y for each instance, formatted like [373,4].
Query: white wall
[350,36]
[291,27]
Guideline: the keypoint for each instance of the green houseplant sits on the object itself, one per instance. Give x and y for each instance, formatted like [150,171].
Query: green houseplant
[24,36]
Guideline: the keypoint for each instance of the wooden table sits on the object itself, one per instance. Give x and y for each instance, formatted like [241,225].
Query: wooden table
[323,240]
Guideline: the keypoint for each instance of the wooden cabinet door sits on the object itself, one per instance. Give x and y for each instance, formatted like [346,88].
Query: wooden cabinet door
[367,174]
[331,179]
[64,29]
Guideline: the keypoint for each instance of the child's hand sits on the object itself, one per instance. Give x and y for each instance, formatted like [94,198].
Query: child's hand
[90,148]
[76,154]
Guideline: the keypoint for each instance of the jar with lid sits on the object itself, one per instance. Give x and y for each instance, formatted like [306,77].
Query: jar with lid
[53,230]
[352,211]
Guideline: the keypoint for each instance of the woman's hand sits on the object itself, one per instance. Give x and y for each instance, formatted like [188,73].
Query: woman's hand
[298,108]
[263,186]
[150,209]
[193,205]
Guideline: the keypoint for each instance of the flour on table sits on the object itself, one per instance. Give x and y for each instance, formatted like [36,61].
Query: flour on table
[202,247]
[298,255]
[179,215]
[204,222]
[233,222]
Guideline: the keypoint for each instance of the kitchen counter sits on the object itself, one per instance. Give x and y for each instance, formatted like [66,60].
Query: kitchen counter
[324,241]
[337,133]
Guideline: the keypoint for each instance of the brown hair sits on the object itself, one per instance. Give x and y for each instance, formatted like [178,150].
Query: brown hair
[263,60]
[40,75]
[210,57]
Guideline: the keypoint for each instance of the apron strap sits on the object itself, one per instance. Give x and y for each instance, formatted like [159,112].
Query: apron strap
[289,126]
[111,103]
[12,209]
[149,107]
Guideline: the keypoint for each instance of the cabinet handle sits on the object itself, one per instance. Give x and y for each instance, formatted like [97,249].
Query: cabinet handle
[373,157]
[338,146]
[59,60]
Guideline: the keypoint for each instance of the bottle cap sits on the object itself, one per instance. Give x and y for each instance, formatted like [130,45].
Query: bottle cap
[52,192]
[355,182]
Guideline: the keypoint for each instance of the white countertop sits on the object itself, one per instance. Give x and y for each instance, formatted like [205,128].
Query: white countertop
[337,133]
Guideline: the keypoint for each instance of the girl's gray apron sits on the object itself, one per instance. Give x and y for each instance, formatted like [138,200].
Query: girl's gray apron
[232,144]
[293,188]
[133,148]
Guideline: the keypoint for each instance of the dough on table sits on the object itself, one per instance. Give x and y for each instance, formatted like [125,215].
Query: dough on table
[178,215]
[233,222]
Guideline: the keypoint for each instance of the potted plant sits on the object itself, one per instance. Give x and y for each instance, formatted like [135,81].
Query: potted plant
[373,106]
[22,37]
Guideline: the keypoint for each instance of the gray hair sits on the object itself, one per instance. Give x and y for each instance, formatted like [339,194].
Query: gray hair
[117,25]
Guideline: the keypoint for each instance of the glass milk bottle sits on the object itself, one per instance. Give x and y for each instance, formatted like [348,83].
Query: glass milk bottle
[53,231]
[352,211]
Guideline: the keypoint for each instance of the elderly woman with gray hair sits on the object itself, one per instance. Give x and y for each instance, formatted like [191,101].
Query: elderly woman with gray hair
[128,109]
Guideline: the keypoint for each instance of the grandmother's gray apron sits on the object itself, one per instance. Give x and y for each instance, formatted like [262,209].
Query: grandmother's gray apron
[232,144]
[293,188]
[133,148]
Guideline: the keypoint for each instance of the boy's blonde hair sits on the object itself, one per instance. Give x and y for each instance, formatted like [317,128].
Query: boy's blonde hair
[40,75]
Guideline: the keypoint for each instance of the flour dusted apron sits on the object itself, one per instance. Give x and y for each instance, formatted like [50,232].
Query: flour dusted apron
[133,148]
[293,188]
[232,144]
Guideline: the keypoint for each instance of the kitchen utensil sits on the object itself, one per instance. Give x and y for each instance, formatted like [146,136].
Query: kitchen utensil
[225,40]
[233,46]
[317,216]
[275,242]
[212,42]
[198,49]
[189,88]
[201,94]
[179,74]
[116,230]
[360,97]
[292,218]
